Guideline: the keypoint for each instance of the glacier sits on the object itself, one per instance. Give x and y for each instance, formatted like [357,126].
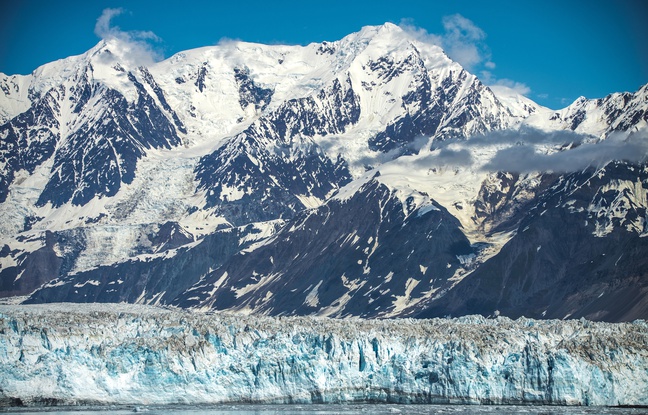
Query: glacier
[104,354]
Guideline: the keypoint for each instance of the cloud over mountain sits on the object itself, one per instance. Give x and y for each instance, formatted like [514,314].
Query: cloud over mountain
[136,46]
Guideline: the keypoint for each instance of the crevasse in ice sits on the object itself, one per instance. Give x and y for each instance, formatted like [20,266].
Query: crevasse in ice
[119,353]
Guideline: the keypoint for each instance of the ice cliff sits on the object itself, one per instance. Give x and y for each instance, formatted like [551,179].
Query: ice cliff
[127,354]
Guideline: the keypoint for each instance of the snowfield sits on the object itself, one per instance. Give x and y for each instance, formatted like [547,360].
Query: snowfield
[132,354]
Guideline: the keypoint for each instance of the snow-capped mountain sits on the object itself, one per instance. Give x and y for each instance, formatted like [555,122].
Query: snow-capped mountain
[600,117]
[356,177]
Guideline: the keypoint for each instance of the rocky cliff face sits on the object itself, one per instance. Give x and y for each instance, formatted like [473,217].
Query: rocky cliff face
[368,255]
[579,251]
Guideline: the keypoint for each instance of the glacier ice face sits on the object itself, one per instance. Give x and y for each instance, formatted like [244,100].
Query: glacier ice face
[110,354]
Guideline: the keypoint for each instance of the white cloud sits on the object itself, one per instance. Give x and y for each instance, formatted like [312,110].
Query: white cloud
[503,85]
[135,46]
[419,33]
[526,158]
[518,87]
[103,28]
[526,150]
[464,42]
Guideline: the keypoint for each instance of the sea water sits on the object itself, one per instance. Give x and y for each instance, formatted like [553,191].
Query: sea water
[316,409]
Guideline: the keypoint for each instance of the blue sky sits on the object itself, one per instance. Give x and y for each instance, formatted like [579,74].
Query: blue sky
[553,51]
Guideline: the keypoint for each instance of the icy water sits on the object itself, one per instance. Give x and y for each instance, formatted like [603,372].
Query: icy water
[334,409]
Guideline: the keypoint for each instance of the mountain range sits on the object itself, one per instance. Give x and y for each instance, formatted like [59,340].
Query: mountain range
[372,176]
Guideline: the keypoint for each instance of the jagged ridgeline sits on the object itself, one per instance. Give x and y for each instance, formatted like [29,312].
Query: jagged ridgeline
[370,176]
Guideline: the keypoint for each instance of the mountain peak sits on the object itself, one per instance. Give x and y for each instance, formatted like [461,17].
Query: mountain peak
[386,30]
[390,27]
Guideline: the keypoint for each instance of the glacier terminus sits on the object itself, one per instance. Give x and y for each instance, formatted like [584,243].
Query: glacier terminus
[133,354]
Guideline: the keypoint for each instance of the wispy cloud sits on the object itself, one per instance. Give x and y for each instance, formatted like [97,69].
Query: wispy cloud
[136,46]
[103,28]
[444,157]
[578,156]
[532,150]
[503,84]
[465,42]
[462,40]
[528,136]
[526,150]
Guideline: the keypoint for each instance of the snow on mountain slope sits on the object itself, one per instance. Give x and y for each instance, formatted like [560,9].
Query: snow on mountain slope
[128,354]
[203,89]
[618,112]
[402,235]
[432,96]
[20,92]
[382,250]
[95,134]
[77,146]
[518,104]
[177,263]
[206,99]
[579,250]
[15,96]
[107,161]
[383,93]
